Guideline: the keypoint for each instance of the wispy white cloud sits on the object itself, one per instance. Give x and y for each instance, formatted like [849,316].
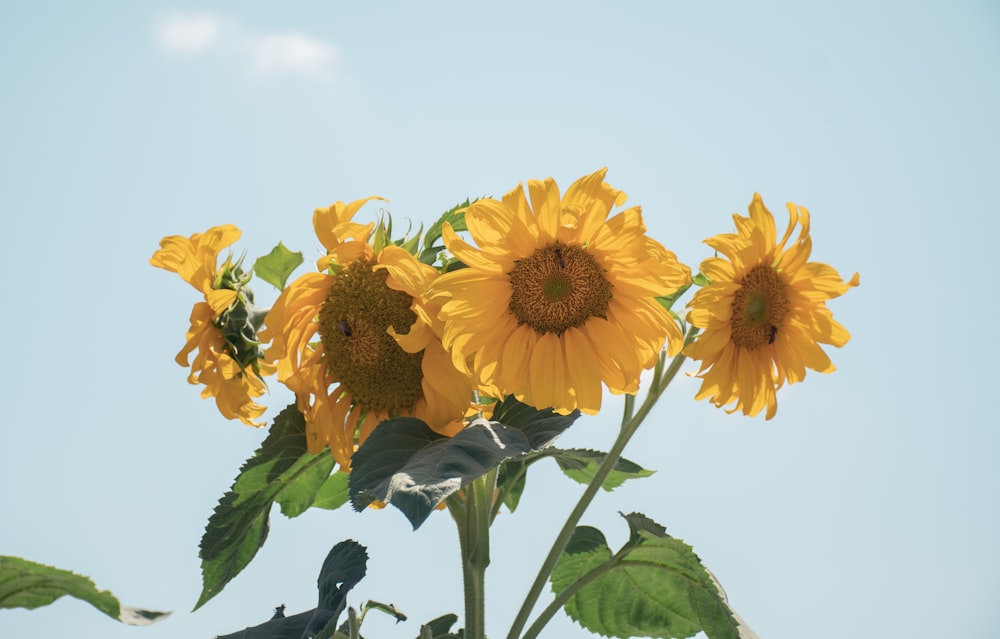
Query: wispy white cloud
[293,53]
[259,53]
[187,33]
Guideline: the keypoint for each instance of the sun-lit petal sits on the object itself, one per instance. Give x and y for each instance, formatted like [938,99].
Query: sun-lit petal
[557,299]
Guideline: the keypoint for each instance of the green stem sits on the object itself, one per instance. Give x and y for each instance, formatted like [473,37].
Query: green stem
[550,610]
[629,426]
[473,521]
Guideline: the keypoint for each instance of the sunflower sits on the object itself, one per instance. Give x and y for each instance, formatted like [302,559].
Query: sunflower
[558,298]
[764,313]
[223,327]
[379,352]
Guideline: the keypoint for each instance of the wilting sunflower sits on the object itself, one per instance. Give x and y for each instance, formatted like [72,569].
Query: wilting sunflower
[558,298]
[764,313]
[223,327]
[379,352]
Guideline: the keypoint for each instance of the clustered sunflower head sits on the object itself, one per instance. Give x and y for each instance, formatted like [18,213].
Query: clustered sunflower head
[378,353]
[223,327]
[764,314]
[557,298]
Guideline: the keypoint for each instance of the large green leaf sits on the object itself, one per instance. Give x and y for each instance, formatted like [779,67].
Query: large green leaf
[433,466]
[275,267]
[26,584]
[407,464]
[654,586]
[581,465]
[282,470]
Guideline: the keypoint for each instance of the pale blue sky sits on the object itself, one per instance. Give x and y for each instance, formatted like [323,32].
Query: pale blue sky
[867,508]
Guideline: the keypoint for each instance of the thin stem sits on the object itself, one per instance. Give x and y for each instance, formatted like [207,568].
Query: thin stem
[473,520]
[628,429]
[550,610]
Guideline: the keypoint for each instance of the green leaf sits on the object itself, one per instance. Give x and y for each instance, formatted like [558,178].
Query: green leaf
[440,628]
[26,584]
[655,586]
[281,470]
[700,279]
[275,267]
[581,465]
[333,493]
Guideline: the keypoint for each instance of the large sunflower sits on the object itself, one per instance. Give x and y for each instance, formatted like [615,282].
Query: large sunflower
[379,352]
[764,313]
[558,298]
[223,327]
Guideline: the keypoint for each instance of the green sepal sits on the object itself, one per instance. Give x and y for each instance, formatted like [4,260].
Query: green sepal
[275,267]
[654,586]
[454,216]
[667,301]
[700,279]
[26,584]
[411,245]
[282,470]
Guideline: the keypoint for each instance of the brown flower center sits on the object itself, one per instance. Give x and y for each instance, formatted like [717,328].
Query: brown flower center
[360,353]
[558,287]
[759,308]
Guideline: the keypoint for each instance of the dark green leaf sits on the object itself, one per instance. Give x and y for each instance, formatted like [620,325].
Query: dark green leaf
[275,267]
[541,427]
[586,539]
[281,470]
[581,465]
[511,480]
[26,584]
[655,586]
[432,472]
[386,451]
[639,523]
[343,568]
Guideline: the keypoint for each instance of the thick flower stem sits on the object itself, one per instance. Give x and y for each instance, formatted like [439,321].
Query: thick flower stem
[473,521]
[629,427]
